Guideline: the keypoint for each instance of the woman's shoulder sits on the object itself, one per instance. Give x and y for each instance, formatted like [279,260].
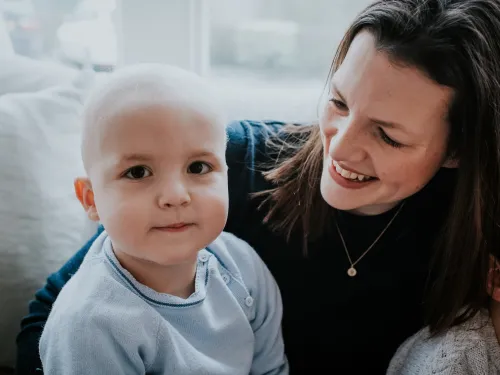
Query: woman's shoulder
[250,152]
[254,146]
[248,139]
[248,128]
[247,153]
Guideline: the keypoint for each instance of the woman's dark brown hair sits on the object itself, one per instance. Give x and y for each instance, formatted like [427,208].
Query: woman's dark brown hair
[457,44]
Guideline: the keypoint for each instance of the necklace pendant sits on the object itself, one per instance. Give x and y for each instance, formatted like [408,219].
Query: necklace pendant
[352,272]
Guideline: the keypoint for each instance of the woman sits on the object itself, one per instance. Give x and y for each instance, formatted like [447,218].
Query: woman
[347,214]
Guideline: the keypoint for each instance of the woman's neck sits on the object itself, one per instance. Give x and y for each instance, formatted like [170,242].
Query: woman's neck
[373,210]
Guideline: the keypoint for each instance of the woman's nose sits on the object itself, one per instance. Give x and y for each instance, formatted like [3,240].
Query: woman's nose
[346,141]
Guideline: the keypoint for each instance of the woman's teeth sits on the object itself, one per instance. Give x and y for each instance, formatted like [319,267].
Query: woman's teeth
[350,175]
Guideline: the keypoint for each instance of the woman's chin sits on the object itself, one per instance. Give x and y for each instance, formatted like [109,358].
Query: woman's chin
[354,201]
[337,198]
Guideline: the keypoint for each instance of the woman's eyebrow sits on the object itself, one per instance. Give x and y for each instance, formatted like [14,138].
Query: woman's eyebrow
[335,89]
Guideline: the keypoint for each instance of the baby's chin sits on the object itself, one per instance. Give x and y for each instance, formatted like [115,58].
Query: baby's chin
[170,256]
[168,249]
[165,256]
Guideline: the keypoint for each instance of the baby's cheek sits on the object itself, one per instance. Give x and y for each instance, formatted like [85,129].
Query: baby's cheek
[125,222]
[216,195]
[215,211]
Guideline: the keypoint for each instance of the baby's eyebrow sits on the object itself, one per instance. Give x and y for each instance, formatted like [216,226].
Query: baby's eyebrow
[202,153]
[136,157]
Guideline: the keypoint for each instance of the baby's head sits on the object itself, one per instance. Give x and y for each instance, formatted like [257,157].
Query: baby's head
[153,148]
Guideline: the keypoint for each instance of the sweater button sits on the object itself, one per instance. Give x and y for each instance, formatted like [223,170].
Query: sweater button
[249,301]
[226,278]
[204,257]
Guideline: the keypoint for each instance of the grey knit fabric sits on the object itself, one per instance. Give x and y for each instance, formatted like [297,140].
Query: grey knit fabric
[471,348]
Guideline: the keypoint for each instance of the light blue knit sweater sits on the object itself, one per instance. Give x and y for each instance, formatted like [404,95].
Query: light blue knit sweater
[105,322]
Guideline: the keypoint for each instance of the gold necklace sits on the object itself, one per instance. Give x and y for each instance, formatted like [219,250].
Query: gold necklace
[352,271]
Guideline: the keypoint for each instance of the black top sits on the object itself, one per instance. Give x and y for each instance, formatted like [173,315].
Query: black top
[332,323]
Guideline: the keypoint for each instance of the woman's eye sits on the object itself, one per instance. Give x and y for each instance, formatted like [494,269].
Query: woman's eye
[391,142]
[137,173]
[199,167]
[338,104]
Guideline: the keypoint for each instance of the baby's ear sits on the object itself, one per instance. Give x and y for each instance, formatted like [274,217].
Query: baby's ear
[494,279]
[85,194]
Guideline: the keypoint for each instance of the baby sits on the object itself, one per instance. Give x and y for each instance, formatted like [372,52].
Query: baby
[162,290]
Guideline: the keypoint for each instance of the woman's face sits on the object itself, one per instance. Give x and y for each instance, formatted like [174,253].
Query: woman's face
[384,131]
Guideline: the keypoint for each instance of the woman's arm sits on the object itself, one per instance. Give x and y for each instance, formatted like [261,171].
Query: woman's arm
[28,359]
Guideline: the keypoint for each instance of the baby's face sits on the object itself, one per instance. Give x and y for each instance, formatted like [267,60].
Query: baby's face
[159,179]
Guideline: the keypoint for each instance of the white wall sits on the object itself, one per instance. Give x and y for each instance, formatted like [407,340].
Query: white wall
[170,31]
[177,32]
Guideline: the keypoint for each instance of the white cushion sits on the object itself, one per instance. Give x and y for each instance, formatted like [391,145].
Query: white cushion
[22,74]
[5,42]
[41,221]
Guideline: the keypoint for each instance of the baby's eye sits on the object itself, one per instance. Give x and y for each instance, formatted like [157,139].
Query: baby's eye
[199,167]
[137,173]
